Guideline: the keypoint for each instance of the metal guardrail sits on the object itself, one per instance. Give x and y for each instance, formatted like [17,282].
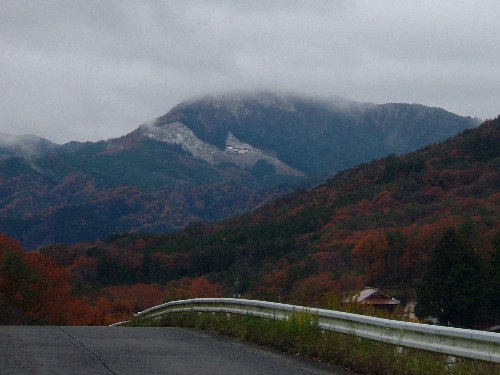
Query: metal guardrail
[446,340]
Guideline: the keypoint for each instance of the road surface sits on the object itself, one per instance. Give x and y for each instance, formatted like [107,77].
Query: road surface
[149,351]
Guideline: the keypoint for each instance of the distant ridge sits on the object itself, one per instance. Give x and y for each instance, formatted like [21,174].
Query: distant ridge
[205,160]
[315,135]
[24,145]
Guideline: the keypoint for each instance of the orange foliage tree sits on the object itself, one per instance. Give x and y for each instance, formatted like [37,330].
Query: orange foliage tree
[51,291]
[33,289]
[314,290]
[371,251]
[192,288]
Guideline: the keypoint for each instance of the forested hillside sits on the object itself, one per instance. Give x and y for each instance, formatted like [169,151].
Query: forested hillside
[379,224]
[35,290]
[205,160]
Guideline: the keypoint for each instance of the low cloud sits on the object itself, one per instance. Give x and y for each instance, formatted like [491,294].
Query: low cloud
[94,70]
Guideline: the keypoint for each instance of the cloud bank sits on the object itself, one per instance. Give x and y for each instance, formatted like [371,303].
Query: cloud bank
[72,70]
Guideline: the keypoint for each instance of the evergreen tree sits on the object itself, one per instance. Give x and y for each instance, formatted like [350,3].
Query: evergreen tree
[452,284]
[494,281]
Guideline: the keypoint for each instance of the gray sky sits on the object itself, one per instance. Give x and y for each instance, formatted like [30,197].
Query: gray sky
[93,69]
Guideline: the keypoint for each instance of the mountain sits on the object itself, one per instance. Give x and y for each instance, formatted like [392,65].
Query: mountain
[311,135]
[205,160]
[375,224]
[24,146]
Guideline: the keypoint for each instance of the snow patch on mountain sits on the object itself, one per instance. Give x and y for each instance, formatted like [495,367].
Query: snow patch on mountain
[237,152]
[179,134]
[247,156]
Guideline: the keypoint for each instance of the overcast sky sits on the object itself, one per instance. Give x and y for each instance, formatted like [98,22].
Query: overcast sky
[90,70]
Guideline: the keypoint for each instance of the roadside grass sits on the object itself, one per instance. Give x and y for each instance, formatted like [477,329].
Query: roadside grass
[300,335]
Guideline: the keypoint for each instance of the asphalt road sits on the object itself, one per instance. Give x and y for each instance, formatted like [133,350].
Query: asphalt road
[149,351]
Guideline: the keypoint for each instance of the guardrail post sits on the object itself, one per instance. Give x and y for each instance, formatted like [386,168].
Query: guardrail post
[449,363]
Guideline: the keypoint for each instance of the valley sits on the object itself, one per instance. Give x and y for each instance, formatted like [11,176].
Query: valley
[376,224]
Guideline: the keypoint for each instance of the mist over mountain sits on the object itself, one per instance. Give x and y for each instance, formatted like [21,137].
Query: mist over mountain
[24,145]
[314,135]
[205,160]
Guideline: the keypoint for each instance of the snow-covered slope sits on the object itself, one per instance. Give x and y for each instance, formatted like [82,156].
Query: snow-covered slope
[316,136]
[237,152]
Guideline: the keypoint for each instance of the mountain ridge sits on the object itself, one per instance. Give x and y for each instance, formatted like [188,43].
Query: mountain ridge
[329,124]
[26,145]
[260,148]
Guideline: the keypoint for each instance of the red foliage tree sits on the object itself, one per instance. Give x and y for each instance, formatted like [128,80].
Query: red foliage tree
[371,251]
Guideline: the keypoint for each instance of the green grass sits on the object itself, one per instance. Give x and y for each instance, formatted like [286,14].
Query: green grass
[301,335]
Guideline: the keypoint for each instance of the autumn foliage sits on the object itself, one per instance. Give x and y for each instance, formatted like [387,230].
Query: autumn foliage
[35,290]
[374,225]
